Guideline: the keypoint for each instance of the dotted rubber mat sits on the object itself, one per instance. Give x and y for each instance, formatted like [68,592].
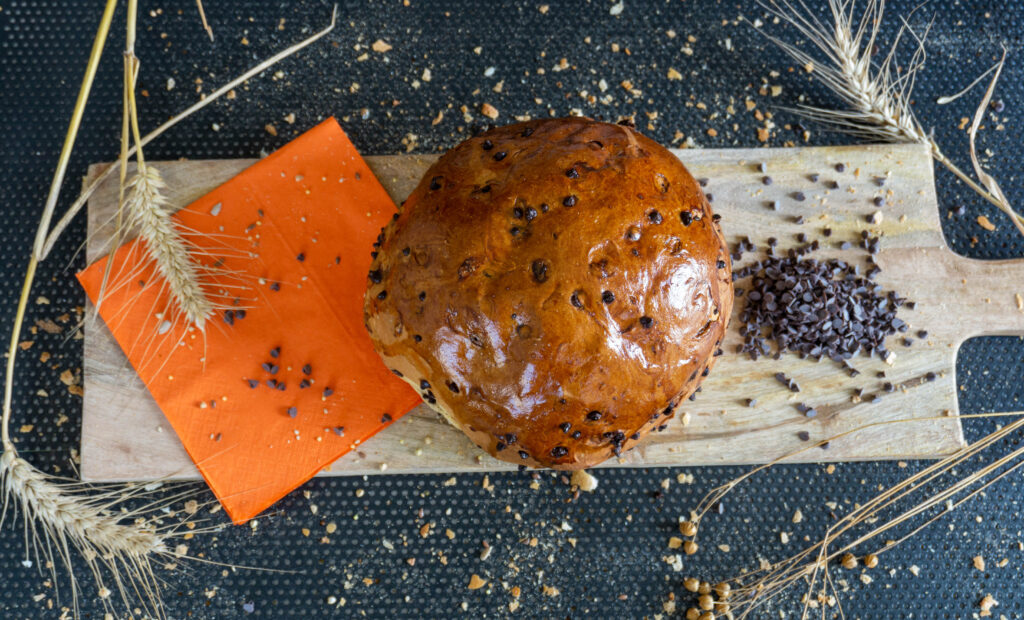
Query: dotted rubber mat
[381,547]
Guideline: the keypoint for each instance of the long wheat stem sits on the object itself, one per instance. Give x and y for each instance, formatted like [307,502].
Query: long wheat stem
[51,203]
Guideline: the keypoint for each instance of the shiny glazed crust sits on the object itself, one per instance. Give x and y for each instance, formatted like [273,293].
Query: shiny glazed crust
[554,288]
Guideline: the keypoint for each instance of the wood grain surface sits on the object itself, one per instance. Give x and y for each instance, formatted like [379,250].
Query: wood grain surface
[125,436]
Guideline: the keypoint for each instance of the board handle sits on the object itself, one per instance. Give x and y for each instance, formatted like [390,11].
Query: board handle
[995,290]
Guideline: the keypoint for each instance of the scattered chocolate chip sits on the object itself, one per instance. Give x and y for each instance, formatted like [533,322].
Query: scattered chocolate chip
[385,418]
[572,173]
[559,451]
[646,322]
[654,217]
[840,167]
[301,257]
[607,297]
[292,412]
[500,155]
[328,392]
[382,295]
[803,435]
[594,416]
[252,383]
[574,299]
[539,268]
[686,218]
[569,201]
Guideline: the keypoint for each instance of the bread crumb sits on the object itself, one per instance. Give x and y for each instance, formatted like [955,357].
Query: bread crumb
[985,223]
[476,582]
[674,75]
[986,604]
[489,111]
[979,563]
[798,516]
[380,46]
[585,481]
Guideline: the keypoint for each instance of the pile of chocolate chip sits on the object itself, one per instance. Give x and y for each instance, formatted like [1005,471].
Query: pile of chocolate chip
[817,309]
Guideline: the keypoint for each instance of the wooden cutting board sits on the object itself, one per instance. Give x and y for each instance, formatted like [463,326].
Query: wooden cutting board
[125,436]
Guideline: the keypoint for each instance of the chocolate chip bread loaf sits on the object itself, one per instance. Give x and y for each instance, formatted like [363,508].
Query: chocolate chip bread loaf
[554,288]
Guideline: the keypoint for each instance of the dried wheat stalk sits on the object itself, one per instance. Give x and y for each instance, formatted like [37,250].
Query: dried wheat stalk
[750,591]
[877,96]
[150,215]
[62,517]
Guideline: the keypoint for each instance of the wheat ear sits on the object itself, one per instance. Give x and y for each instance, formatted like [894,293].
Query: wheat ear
[59,520]
[877,96]
[148,213]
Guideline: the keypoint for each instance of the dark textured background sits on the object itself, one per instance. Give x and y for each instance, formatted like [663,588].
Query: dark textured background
[615,569]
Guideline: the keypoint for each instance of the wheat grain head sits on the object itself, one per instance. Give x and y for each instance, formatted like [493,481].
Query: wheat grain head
[58,519]
[148,212]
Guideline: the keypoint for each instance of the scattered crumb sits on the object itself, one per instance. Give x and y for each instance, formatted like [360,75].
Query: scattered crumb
[585,481]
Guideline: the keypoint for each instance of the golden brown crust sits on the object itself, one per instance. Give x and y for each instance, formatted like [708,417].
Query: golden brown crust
[554,288]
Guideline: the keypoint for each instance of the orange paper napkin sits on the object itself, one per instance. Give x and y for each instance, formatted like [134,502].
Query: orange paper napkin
[287,381]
